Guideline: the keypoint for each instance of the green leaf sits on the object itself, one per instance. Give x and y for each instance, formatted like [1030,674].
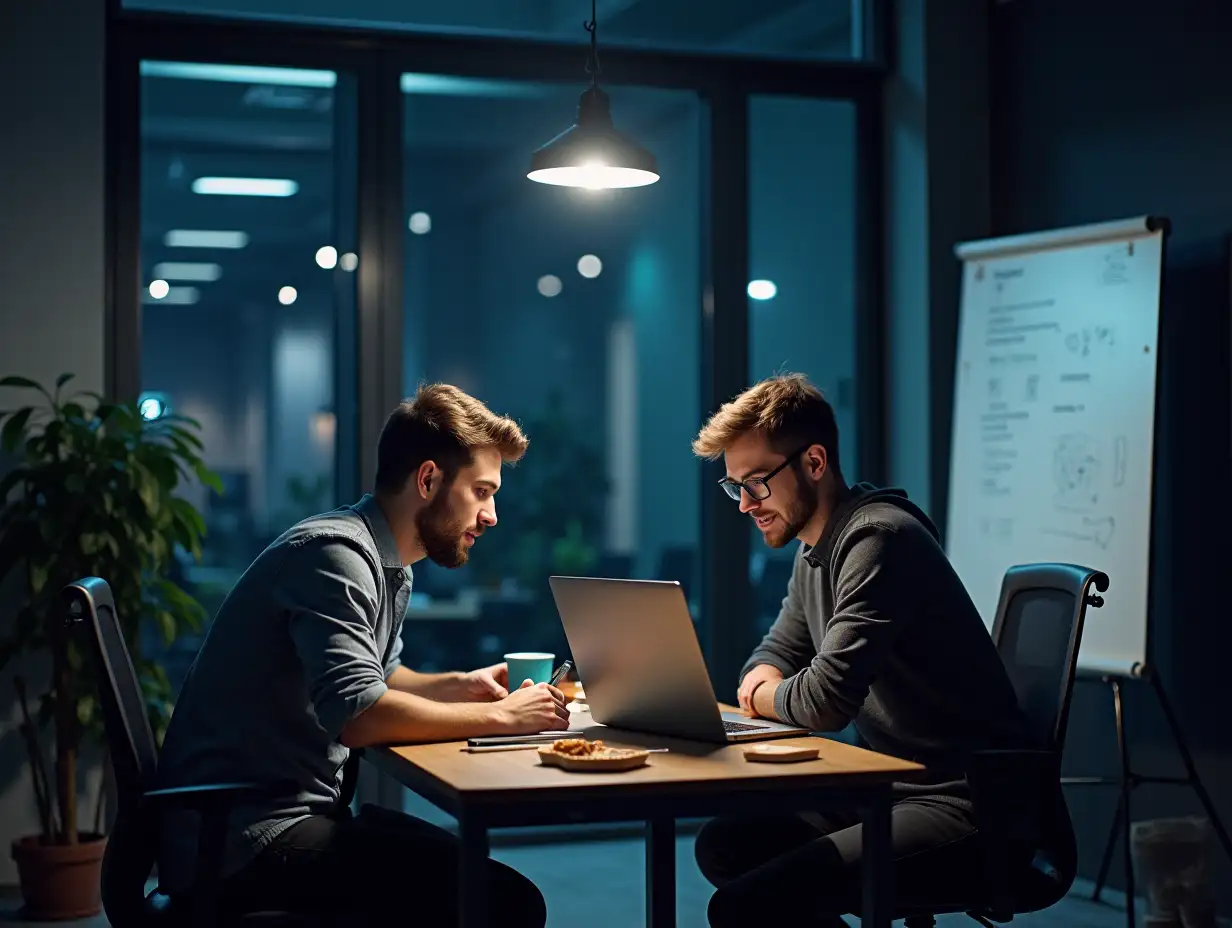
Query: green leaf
[85,709]
[63,379]
[38,577]
[13,429]
[167,625]
[209,478]
[14,380]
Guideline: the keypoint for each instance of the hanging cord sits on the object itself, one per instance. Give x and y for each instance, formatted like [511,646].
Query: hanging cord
[592,62]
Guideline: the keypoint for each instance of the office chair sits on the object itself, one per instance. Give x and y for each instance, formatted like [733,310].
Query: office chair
[129,857]
[1037,631]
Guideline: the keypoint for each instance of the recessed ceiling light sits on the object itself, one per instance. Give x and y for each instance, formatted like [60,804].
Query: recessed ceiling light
[204,238]
[245,186]
[188,270]
[287,295]
[349,261]
[590,266]
[762,289]
[327,257]
[420,223]
[550,285]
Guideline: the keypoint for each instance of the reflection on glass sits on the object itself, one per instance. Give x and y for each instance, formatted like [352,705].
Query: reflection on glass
[577,313]
[238,315]
[802,286]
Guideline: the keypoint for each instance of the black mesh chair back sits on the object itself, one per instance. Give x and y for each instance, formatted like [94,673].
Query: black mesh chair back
[1038,631]
[129,857]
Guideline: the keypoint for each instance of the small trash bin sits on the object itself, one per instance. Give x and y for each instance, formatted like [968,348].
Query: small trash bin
[1171,860]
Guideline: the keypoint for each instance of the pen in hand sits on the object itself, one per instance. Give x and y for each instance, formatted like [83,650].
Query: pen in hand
[561,672]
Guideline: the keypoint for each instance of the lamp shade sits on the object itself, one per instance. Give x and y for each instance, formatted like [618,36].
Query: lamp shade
[592,154]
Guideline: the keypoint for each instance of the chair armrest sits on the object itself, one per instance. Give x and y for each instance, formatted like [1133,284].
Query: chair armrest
[212,796]
[213,803]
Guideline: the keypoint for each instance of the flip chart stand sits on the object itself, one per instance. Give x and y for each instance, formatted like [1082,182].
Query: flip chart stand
[1129,780]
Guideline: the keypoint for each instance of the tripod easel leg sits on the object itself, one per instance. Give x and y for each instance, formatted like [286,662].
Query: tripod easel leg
[1122,818]
[1190,769]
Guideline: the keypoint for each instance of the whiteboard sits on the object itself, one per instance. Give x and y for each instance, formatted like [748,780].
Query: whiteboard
[1054,419]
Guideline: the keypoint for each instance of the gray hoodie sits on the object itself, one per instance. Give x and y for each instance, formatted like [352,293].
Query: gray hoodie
[876,627]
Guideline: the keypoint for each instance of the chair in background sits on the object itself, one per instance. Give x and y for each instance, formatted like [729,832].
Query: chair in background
[129,858]
[1037,631]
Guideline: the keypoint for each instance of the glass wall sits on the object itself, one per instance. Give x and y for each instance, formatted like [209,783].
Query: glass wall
[246,270]
[802,268]
[779,28]
[575,312]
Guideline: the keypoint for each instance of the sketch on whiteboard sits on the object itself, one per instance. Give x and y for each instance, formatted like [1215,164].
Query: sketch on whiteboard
[1095,530]
[999,527]
[1076,471]
[1032,392]
[994,388]
[1118,460]
[1083,341]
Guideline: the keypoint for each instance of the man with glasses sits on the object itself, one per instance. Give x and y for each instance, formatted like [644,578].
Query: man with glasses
[877,629]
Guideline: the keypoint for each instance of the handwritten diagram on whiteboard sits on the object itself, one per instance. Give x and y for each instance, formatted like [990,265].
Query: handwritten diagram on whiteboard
[1054,415]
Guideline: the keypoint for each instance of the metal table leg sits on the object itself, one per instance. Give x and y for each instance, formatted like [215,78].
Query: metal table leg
[661,873]
[472,879]
[877,874]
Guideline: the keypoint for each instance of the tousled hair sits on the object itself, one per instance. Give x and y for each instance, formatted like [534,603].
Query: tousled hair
[441,423]
[787,409]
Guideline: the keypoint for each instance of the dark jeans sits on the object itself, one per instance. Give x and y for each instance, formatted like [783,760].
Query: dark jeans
[378,867]
[805,869]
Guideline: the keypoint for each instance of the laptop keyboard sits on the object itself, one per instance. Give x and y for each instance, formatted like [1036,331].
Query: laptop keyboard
[740,726]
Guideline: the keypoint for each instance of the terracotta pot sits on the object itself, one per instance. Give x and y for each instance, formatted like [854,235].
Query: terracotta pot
[60,881]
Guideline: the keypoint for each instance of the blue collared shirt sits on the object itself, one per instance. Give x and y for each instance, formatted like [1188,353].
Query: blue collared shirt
[303,643]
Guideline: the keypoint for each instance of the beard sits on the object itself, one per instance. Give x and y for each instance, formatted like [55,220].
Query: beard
[440,533]
[799,510]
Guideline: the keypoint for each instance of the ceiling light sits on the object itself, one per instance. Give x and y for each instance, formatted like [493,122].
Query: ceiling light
[762,289]
[420,223]
[349,261]
[287,295]
[245,186]
[550,285]
[153,406]
[589,266]
[327,257]
[204,238]
[172,296]
[188,270]
[239,74]
[591,154]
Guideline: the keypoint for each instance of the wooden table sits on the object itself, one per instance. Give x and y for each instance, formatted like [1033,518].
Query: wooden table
[511,788]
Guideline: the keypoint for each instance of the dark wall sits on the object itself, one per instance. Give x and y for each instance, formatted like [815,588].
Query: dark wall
[1104,110]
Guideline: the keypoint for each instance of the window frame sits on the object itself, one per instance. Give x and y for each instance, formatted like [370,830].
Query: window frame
[377,59]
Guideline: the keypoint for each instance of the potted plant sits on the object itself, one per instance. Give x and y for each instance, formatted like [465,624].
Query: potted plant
[90,493]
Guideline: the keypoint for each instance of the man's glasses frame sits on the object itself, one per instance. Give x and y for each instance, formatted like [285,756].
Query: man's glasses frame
[758,488]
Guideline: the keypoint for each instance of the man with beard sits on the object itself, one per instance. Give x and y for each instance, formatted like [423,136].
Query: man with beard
[302,665]
[876,629]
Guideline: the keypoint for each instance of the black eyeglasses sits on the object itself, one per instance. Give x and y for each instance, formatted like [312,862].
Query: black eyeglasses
[757,487]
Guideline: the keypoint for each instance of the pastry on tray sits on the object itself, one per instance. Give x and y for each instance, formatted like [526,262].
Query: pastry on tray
[580,754]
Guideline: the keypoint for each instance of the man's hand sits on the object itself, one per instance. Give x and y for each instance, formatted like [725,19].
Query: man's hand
[762,673]
[534,707]
[487,684]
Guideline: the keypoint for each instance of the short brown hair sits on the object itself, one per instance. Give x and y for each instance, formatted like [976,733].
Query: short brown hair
[787,409]
[440,423]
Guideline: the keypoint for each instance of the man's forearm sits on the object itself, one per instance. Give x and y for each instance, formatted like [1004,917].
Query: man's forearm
[763,700]
[402,718]
[437,686]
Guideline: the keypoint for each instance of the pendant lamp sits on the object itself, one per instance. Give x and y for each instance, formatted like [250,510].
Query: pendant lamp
[592,154]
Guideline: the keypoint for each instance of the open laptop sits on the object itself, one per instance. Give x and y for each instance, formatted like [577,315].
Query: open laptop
[637,655]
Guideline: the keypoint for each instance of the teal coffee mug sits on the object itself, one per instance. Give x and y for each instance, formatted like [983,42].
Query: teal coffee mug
[535,666]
